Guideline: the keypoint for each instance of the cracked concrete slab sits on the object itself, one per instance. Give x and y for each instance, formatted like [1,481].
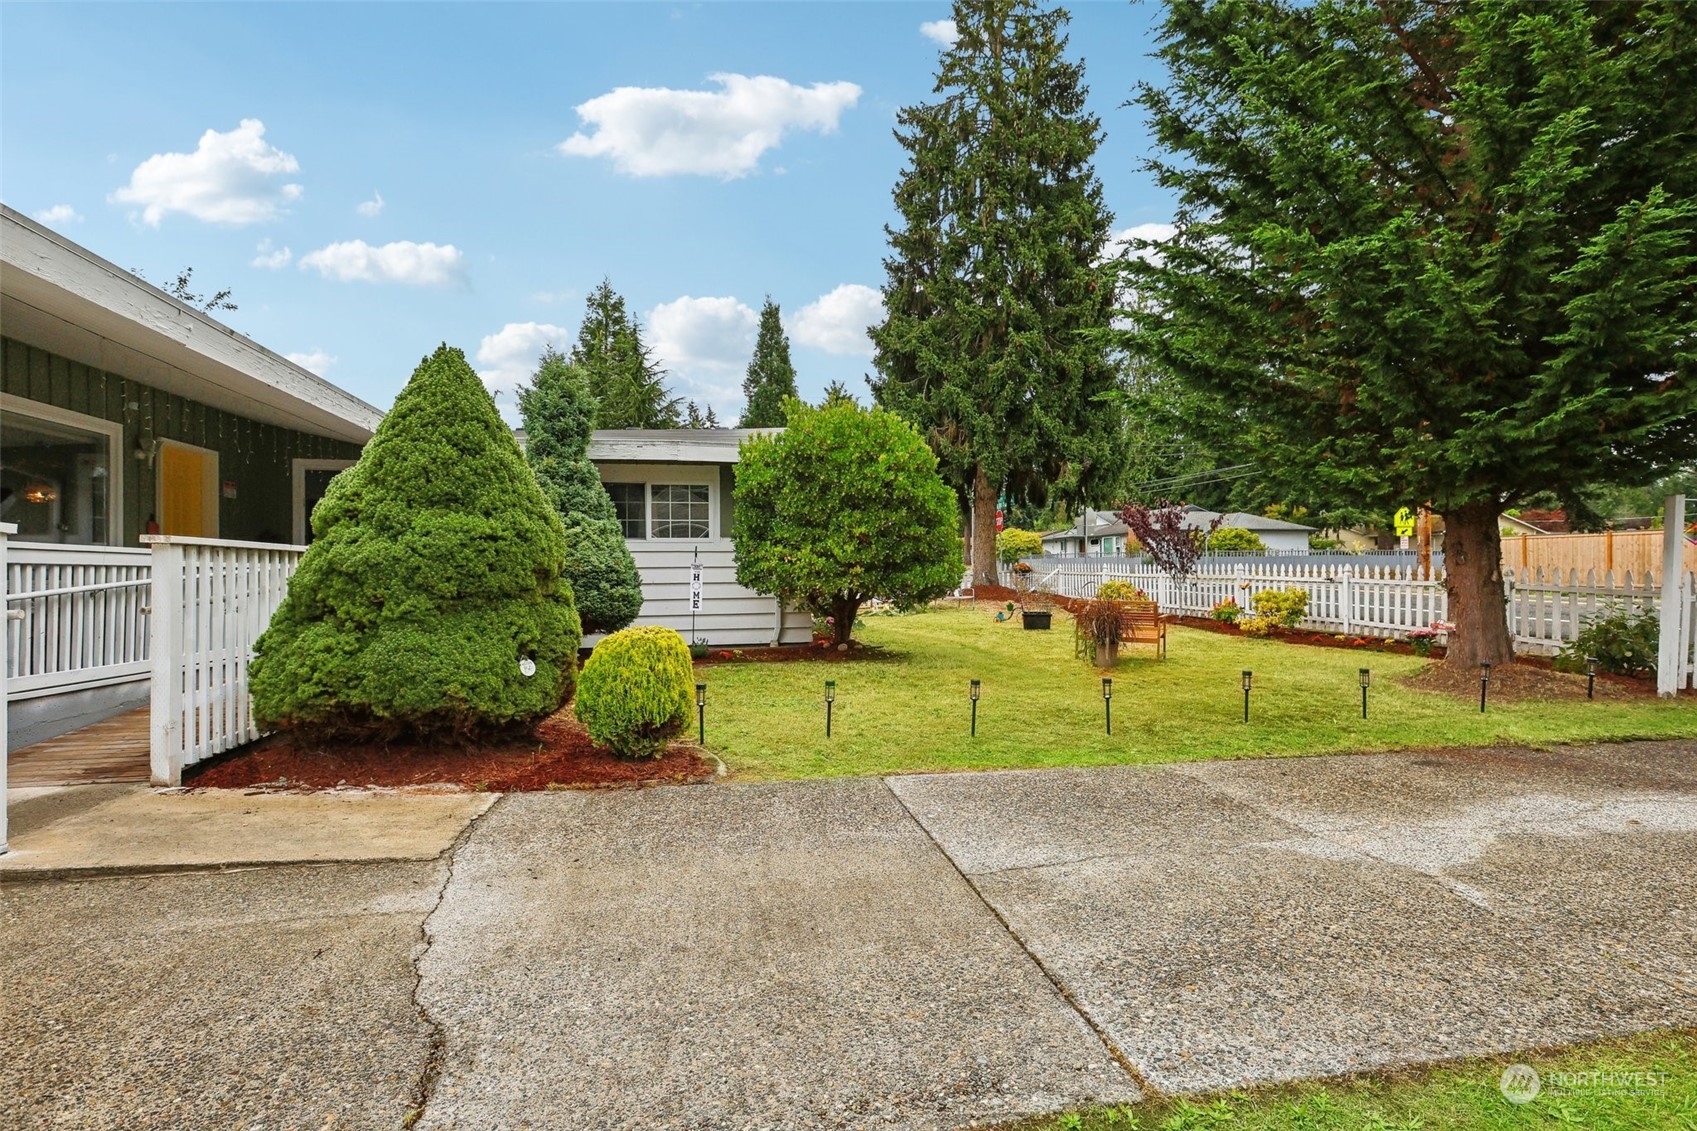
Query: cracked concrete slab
[268,998]
[794,955]
[1328,915]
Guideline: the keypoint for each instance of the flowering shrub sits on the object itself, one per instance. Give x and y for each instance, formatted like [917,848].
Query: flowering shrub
[1284,607]
[1624,642]
[1258,625]
[1227,611]
[1422,639]
[1115,589]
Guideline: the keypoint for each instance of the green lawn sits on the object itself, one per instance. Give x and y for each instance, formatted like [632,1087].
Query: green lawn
[907,711]
[1463,1096]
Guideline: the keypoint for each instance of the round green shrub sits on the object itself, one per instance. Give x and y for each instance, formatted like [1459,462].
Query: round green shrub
[434,576]
[1013,544]
[1284,607]
[637,690]
[1118,589]
[1235,540]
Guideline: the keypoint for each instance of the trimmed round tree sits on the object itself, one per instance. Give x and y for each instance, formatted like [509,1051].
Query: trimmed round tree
[431,603]
[559,414]
[842,506]
[635,694]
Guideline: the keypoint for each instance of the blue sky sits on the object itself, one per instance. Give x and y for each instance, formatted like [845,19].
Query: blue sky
[372,179]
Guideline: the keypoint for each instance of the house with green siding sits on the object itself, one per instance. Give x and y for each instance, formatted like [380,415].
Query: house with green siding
[125,412]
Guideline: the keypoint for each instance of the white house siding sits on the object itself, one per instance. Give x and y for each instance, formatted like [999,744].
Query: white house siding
[730,615]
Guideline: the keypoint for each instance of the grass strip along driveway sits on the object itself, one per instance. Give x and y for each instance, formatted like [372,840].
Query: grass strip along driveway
[907,710]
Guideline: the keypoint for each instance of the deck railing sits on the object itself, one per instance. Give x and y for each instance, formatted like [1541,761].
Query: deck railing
[211,601]
[76,617]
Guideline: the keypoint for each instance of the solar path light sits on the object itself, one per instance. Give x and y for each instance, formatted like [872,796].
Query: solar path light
[830,698]
[1248,680]
[1366,682]
[974,691]
[1484,683]
[701,711]
[1108,703]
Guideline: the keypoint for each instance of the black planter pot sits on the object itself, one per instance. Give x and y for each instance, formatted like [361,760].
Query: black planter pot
[1032,618]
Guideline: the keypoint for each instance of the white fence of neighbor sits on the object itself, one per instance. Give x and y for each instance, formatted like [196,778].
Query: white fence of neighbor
[1545,609]
[76,617]
[211,601]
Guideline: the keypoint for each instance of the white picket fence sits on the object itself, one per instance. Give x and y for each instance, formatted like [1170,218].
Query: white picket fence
[1545,610]
[76,617]
[211,601]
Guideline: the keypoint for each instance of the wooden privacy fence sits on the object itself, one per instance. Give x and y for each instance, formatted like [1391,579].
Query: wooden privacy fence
[76,617]
[1545,609]
[211,600]
[1613,551]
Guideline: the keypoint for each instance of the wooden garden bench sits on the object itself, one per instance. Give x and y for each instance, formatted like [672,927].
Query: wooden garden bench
[1141,623]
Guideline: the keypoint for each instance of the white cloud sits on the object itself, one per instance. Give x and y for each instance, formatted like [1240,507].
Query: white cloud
[656,132]
[701,339]
[940,32]
[371,207]
[506,359]
[316,360]
[1120,241]
[271,259]
[228,179]
[58,214]
[420,264]
[837,322]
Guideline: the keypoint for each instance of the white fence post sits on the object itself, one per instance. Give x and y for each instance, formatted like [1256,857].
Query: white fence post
[6,528]
[169,664]
[1346,598]
[1672,650]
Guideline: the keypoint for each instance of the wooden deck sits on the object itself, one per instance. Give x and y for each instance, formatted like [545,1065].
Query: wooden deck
[112,751]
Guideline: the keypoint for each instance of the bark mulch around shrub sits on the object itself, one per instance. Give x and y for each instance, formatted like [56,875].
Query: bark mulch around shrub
[561,756]
[818,651]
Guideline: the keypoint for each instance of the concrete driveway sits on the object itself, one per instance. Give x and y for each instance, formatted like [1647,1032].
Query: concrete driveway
[916,952]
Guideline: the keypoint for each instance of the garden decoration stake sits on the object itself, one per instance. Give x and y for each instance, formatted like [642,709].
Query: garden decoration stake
[1366,679]
[701,712]
[973,692]
[1108,703]
[830,698]
[1248,678]
[1484,682]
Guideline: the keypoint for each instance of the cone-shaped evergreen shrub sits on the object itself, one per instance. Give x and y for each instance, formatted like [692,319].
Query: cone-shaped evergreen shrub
[636,690]
[558,411]
[436,571]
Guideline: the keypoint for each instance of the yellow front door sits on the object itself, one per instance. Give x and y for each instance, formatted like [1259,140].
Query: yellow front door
[183,474]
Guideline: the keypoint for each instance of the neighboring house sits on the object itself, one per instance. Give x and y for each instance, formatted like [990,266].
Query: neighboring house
[1276,534]
[672,489]
[123,412]
[1095,532]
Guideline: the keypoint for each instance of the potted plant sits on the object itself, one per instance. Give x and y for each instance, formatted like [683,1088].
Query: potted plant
[1096,632]
[1035,611]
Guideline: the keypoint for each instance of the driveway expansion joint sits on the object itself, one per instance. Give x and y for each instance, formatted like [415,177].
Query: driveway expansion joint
[437,1043]
[1113,1050]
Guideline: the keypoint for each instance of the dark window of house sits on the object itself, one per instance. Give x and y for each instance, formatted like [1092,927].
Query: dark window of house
[627,503]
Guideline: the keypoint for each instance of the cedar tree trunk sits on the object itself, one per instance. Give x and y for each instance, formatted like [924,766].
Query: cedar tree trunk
[1473,574]
[983,528]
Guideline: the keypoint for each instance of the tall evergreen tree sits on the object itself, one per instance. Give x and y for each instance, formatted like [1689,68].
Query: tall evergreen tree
[559,414]
[1434,252]
[998,295]
[771,376]
[628,387]
[695,418]
[837,393]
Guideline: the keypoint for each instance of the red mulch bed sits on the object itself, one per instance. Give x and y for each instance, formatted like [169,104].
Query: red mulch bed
[819,650]
[561,756]
[1313,639]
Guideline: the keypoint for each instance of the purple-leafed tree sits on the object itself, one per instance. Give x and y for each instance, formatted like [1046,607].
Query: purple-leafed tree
[1160,530]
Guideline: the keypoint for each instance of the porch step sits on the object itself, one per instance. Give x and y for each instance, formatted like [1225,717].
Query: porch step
[115,750]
